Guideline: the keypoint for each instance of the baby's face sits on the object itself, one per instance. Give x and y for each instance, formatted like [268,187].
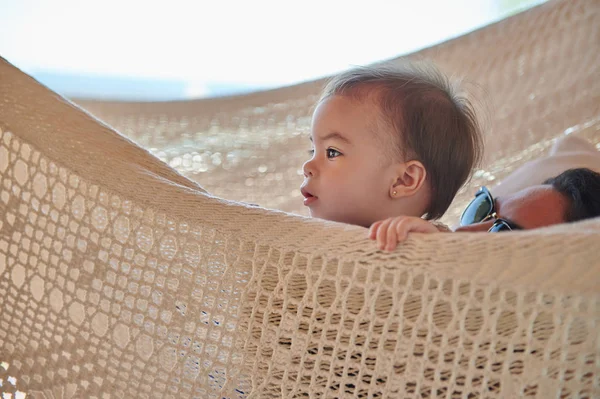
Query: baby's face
[347,178]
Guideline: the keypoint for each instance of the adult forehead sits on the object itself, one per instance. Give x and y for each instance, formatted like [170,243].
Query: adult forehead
[535,206]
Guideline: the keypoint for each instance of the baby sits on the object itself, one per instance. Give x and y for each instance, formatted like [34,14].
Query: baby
[389,141]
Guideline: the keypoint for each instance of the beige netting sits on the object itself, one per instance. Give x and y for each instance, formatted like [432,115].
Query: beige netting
[121,278]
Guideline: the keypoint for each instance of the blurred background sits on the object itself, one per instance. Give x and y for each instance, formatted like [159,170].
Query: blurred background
[180,49]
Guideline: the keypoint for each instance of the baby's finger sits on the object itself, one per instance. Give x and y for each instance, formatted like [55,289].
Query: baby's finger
[373,229]
[392,237]
[382,233]
[402,229]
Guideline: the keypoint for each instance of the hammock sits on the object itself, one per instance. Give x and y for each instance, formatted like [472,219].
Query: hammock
[121,277]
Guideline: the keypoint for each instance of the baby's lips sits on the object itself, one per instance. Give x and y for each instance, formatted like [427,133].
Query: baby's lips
[305,192]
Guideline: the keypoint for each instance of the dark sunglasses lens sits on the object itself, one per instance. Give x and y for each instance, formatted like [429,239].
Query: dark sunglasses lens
[499,227]
[477,210]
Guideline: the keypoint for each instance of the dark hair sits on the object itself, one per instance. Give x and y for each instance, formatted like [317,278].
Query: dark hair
[430,122]
[582,187]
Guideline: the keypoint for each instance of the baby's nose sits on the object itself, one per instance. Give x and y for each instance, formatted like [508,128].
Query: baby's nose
[308,169]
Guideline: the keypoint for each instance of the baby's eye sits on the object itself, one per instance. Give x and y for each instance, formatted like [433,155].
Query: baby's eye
[331,153]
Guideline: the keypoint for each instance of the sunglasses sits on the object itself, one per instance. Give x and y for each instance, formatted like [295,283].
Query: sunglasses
[481,209]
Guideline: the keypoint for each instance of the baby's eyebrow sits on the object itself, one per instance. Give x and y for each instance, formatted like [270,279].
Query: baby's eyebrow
[334,135]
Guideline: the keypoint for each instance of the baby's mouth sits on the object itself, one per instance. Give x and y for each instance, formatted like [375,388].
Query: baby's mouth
[308,197]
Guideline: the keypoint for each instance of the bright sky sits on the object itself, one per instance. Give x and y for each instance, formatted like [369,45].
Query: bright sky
[260,42]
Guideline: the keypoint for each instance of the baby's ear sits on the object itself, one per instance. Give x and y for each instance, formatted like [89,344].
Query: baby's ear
[410,177]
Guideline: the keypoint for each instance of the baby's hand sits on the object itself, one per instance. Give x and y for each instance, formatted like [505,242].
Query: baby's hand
[390,232]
